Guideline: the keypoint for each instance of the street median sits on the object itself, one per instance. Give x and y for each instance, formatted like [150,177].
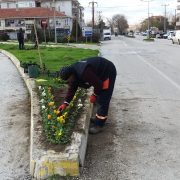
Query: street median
[46,159]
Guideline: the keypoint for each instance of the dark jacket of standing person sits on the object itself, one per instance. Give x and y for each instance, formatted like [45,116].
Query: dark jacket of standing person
[97,72]
[20,37]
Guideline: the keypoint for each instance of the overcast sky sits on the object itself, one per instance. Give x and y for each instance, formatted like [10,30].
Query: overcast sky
[134,10]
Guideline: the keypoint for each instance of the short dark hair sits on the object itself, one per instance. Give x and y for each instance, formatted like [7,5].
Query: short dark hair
[65,72]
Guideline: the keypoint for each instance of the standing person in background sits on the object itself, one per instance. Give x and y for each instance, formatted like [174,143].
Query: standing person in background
[97,72]
[20,37]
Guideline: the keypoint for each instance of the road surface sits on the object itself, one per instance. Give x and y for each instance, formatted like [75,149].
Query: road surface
[14,123]
[141,138]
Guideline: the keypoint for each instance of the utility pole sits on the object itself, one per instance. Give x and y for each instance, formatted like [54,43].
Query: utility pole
[92,12]
[165,5]
[148,33]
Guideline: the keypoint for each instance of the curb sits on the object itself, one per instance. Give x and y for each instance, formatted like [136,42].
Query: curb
[47,160]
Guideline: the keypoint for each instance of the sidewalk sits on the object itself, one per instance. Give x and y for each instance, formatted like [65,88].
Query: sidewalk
[14,123]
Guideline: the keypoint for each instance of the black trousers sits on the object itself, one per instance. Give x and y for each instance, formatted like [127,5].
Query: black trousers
[104,98]
[21,44]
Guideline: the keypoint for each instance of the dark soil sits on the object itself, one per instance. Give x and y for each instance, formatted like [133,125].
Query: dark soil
[59,95]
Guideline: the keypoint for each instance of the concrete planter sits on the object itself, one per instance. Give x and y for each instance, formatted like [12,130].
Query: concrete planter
[45,159]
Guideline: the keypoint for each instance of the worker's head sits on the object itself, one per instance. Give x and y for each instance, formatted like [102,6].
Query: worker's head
[65,72]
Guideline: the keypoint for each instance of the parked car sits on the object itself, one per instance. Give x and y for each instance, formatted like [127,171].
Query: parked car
[165,36]
[159,35]
[144,33]
[171,34]
[176,37]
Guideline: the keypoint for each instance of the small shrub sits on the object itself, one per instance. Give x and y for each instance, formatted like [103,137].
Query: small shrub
[4,37]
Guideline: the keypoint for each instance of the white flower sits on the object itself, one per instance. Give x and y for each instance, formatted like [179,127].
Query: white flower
[40,87]
[80,105]
[42,101]
[43,107]
[79,101]
[43,93]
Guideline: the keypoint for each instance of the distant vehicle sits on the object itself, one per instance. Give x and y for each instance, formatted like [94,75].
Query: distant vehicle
[176,37]
[159,35]
[131,34]
[171,34]
[168,34]
[165,36]
[144,33]
[106,34]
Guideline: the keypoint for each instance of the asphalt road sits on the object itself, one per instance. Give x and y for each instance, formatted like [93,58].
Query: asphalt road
[14,123]
[141,138]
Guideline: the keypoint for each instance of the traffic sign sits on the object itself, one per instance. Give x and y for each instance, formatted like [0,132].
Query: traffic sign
[44,23]
[87,31]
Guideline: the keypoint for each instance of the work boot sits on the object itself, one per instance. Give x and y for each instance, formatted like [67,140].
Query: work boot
[96,125]
[95,129]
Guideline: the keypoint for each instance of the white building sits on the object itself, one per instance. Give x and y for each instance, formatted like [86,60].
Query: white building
[6,4]
[71,9]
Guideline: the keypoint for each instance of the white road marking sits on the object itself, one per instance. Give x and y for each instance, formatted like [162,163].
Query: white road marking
[124,44]
[159,72]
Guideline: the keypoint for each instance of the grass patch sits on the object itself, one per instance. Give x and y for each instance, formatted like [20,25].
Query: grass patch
[148,39]
[53,57]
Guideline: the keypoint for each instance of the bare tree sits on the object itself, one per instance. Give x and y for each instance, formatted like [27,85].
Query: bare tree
[120,22]
[110,24]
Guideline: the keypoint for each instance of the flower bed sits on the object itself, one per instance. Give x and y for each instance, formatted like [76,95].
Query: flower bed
[57,126]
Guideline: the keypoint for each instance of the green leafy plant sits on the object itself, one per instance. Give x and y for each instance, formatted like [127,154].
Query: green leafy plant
[58,126]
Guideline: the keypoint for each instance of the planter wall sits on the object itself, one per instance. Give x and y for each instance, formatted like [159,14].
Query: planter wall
[45,159]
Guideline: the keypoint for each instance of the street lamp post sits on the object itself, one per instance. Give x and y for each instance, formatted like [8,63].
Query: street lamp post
[148,35]
[165,5]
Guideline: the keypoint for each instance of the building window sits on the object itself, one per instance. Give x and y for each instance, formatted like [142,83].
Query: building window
[38,4]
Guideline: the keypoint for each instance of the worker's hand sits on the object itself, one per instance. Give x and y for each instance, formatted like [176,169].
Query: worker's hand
[62,107]
[105,84]
[92,98]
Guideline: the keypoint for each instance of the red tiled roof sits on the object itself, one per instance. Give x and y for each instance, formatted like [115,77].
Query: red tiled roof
[37,12]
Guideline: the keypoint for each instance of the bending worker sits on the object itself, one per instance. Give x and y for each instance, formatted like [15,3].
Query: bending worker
[97,72]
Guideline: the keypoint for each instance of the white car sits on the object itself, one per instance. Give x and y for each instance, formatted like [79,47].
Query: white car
[176,37]
[170,35]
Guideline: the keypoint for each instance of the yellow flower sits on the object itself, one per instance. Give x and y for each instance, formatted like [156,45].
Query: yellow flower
[49,116]
[51,104]
[61,119]
[74,97]
[55,111]
[65,114]
[60,133]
